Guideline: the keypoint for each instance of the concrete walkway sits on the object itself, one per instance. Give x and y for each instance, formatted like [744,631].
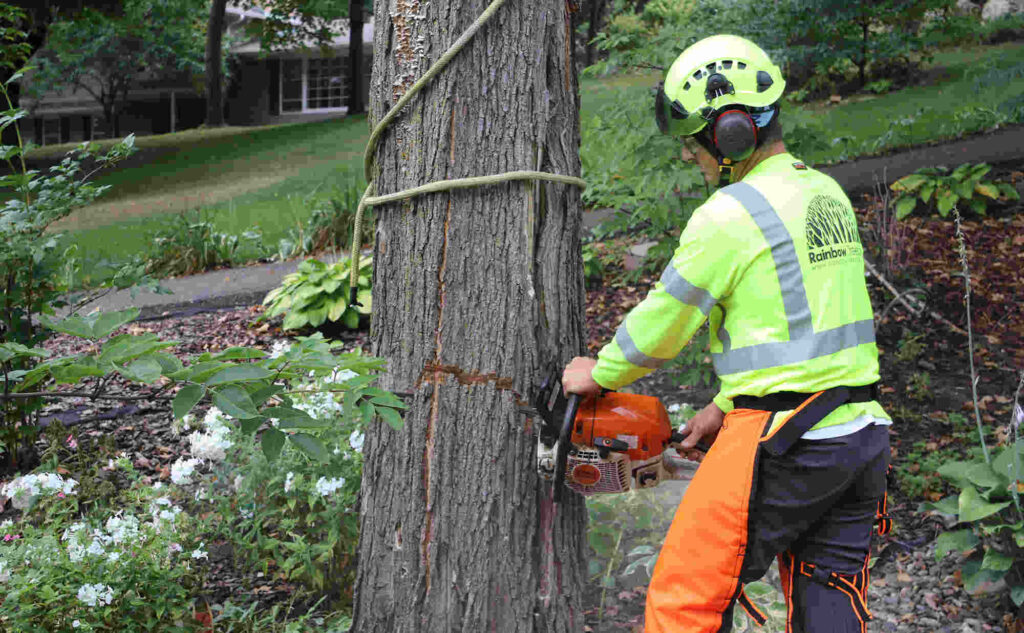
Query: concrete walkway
[249,284]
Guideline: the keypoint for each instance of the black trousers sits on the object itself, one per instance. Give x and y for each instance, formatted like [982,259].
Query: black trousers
[815,509]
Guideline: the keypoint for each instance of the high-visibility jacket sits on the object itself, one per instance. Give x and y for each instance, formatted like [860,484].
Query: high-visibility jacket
[775,261]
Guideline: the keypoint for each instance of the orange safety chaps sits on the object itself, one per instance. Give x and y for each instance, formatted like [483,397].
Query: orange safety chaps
[715,543]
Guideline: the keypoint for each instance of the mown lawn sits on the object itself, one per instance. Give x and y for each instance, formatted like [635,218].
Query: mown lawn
[258,177]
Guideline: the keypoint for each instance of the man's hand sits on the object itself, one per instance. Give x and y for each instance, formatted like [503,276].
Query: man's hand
[705,425]
[577,379]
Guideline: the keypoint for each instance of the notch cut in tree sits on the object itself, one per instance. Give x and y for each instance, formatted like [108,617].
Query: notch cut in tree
[477,293]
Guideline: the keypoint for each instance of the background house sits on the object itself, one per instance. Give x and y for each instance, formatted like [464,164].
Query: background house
[281,87]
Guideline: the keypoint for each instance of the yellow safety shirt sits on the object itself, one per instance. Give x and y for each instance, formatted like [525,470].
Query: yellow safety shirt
[775,261]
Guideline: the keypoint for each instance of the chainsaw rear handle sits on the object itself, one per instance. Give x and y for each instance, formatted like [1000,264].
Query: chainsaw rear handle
[562,448]
[678,437]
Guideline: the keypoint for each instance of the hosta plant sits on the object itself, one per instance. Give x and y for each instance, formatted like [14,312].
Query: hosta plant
[939,188]
[317,293]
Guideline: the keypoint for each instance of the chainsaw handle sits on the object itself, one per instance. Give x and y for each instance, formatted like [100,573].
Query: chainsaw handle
[677,437]
[562,448]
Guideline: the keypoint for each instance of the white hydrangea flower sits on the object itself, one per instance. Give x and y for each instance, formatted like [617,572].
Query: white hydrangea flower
[6,524]
[674,408]
[182,470]
[356,440]
[4,574]
[93,595]
[237,485]
[75,624]
[212,442]
[114,557]
[289,481]
[326,486]
[342,375]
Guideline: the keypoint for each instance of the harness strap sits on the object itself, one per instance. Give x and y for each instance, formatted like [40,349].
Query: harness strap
[882,518]
[849,585]
[789,400]
[755,614]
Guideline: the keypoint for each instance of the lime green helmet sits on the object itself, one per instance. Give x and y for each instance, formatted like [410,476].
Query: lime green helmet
[711,77]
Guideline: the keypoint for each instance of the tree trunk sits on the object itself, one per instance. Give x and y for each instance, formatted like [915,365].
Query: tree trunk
[862,65]
[214,54]
[593,28]
[356,80]
[477,294]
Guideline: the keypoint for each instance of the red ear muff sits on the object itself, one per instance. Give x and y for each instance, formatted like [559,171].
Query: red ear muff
[735,135]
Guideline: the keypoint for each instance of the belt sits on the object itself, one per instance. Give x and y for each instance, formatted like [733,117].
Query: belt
[789,400]
[811,409]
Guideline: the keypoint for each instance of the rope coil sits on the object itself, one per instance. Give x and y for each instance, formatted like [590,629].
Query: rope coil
[369,200]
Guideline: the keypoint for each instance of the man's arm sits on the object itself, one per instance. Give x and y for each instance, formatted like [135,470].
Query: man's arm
[703,270]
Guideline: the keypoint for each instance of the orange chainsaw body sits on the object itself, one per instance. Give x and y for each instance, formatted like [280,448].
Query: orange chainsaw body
[640,421]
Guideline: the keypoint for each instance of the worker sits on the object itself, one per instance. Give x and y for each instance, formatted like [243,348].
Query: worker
[798,465]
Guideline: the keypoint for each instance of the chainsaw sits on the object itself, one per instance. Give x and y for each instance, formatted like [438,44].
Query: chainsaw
[614,442]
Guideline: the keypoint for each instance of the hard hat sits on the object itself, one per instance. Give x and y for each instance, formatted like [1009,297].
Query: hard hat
[717,71]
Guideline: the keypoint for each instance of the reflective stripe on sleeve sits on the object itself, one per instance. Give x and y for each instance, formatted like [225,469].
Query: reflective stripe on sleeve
[632,353]
[787,265]
[775,354]
[685,292]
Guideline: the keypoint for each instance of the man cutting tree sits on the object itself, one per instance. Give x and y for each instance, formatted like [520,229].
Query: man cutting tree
[797,468]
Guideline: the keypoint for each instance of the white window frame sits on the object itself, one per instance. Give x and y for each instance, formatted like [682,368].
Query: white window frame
[305,90]
[43,142]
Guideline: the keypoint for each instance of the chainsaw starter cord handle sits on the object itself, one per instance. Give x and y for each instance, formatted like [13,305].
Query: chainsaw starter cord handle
[562,448]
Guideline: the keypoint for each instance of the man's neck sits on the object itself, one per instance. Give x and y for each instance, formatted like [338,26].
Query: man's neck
[762,153]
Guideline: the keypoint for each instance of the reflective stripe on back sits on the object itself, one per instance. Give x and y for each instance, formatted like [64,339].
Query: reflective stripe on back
[804,343]
[787,265]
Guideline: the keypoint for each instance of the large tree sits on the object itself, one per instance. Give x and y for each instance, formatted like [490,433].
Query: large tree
[477,293]
[215,63]
[105,55]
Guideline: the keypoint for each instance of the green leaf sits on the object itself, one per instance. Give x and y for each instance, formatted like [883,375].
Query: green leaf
[974,576]
[310,446]
[337,308]
[366,411]
[291,418]
[905,206]
[364,297]
[965,190]
[239,373]
[251,425]
[945,202]
[234,401]
[974,508]
[996,561]
[389,401]
[1008,191]
[186,399]
[909,183]
[1017,594]
[392,417]
[978,205]
[641,550]
[198,372]
[261,395]
[72,373]
[240,353]
[272,441]
[294,321]
[926,192]
[12,350]
[958,541]
[983,476]
[169,363]
[145,370]
[949,505]
[1003,464]
[956,472]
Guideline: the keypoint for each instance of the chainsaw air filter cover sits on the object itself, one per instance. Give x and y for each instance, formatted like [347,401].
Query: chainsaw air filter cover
[616,421]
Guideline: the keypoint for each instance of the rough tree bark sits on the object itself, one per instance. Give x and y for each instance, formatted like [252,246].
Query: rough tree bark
[355,58]
[214,76]
[476,294]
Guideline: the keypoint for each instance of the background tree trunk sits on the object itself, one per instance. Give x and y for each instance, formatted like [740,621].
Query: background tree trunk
[477,293]
[214,76]
[355,58]
[595,19]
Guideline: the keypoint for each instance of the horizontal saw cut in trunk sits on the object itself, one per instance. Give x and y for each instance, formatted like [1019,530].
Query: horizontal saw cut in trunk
[478,294]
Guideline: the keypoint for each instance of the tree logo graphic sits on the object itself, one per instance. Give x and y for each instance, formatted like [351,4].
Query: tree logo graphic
[831,230]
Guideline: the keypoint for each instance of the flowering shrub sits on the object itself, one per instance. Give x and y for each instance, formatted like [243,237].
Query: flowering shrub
[133,570]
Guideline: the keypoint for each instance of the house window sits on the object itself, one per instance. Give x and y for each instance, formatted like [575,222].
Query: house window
[312,85]
[51,131]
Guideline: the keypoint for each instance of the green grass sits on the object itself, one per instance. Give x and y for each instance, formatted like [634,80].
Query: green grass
[238,177]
